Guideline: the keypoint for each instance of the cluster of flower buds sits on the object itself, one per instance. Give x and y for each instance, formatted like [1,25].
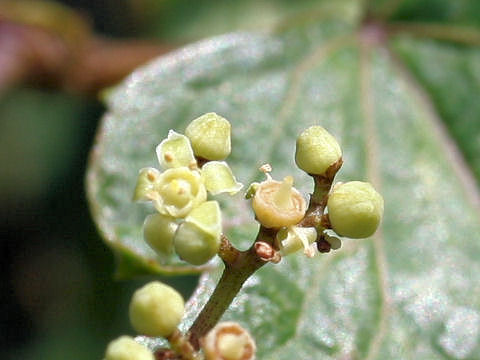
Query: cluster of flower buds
[353,209]
[189,225]
[186,223]
[156,310]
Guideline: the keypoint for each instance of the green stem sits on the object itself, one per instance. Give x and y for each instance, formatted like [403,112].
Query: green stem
[234,276]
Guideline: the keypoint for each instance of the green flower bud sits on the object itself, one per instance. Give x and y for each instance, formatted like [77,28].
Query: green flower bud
[156,309]
[355,209]
[294,238]
[278,204]
[228,341]
[179,190]
[176,151]
[158,231]
[210,136]
[316,151]
[218,178]
[197,239]
[147,178]
[126,348]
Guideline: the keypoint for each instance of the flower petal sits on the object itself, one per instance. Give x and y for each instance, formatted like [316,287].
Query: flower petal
[293,238]
[208,217]
[218,178]
[147,178]
[176,151]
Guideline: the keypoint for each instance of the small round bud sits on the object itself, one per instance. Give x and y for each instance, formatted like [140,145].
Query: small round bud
[278,204]
[179,190]
[197,239]
[355,209]
[158,231]
[156,309]
[316,150]
[210,136]
[228,341]
[126,348]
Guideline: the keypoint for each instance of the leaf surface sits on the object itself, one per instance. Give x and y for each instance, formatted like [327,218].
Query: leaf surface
[411,291]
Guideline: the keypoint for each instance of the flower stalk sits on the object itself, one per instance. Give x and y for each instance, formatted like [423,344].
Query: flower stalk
[234,276]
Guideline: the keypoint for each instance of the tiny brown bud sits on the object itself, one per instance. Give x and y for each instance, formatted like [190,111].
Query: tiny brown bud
[323,246]
[266,252]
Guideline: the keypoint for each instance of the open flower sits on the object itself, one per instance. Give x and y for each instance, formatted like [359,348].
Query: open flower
[228,341]
[179,194]
[178,191]
[276,204]
[183,185]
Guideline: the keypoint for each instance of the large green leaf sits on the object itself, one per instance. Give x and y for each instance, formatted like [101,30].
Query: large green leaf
[410,292]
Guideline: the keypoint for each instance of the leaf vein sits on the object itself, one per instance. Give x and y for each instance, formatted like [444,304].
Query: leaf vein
[372,150]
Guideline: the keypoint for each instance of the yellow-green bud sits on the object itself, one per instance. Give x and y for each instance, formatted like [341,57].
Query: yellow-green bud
[156,309]
[179,190]
[197,239]
[278,204]
[316,150]
[355,209]
[228,341]
[210,136]
[146,181]
[158,231]
[126,348]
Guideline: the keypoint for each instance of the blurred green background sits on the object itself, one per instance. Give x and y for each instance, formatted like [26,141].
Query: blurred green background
[59,299]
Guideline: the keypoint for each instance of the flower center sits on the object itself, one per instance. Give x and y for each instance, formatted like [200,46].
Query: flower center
[177,192]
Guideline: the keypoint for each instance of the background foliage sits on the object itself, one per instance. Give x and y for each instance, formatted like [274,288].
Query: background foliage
[385,90]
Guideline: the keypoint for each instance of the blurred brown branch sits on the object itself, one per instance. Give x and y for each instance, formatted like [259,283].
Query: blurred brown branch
[45,44]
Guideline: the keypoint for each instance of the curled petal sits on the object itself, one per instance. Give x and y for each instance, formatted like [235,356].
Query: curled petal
[334,241]
[293,238]
[147,178]
[218,178]
[176,151]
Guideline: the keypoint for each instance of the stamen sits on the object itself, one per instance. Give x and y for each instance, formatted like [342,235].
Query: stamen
[151,176]
[168,156]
